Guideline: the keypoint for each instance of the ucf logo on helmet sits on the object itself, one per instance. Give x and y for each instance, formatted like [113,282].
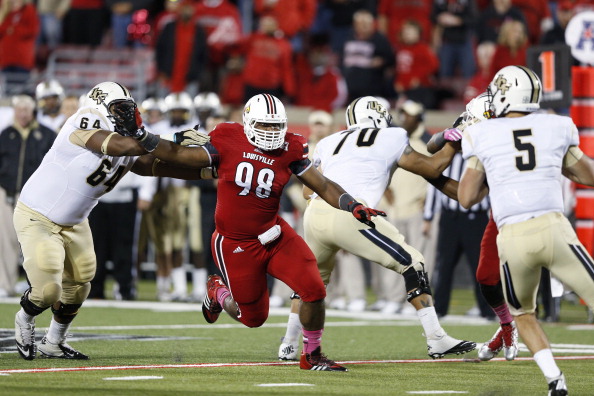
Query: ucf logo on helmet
[501,84]
[97,95]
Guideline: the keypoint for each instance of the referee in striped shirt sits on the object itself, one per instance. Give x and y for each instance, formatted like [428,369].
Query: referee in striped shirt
[459,233]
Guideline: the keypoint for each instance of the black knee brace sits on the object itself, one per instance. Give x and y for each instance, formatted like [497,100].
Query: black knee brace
[65,312]
[295,296]
[29,307]
[493,294]
[416,282]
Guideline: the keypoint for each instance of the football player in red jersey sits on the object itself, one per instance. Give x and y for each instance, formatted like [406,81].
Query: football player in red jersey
[254,162]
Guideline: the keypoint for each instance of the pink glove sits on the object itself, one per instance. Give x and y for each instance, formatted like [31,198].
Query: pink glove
[452,135]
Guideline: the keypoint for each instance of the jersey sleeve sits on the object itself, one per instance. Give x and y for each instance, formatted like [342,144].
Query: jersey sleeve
[300,153]
[468,149]
[403,143]
[574,136]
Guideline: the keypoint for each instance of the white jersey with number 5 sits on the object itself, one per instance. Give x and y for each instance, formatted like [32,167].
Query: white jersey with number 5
[522,157]
[71,178]
[361,160]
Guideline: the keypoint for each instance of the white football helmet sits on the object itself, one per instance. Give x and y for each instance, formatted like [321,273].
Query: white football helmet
[514,88]
[367,111]
[49,88]
[150,104]
[179,101]
[106,94]
[207,101]
[260,110]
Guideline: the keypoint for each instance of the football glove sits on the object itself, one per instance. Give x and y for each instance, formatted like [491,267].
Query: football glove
[127,119]
[363,214]
[452,135]
[191,137]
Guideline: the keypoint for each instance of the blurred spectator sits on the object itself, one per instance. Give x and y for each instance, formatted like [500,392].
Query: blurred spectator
[511,46]
[268,62]
[22,148]
[121,18]
[19,26]
[51,13]
[294,17]
[416,65]
[491,19]
[113,225]
[49,95]
[221,21]
[69,106]
[563,13]
[392,14]
[84,23]
[367,60]
[341,21]
[164,17]
[453,36]
[405,199]
[538,17]
[482,78]
[181,51]
[321,85]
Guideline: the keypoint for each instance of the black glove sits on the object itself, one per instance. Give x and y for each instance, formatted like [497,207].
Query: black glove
[127,118]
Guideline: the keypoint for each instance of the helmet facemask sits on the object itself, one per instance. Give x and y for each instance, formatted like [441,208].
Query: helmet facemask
[265,122]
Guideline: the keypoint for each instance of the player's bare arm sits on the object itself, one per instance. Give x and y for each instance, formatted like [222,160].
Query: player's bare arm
[148,165]
[329,191]
[113,144]
[578,167]
[336,196]
[428,167]
[472,188]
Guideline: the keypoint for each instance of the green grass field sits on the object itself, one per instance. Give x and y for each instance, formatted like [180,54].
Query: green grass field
[180,354]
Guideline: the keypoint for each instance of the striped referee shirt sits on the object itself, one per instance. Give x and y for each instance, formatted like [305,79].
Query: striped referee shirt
[437,201]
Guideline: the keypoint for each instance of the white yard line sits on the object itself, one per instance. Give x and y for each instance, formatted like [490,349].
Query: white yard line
[208,365]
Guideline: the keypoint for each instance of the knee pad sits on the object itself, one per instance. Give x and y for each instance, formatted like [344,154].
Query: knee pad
[493,294]
[78,293]
[50,293]
[65,312]
[29,307]
[416,281]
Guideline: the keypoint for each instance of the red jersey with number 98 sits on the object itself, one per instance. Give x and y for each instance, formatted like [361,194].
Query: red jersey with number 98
[251,180]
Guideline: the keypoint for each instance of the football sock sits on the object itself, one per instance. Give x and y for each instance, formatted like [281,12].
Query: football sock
[56,333]
[502,311]
[293,328]
[25,316]
[311,340]
[430,323]
[180,284]
[222,294]
[199,281]
[162,284]
[546,362]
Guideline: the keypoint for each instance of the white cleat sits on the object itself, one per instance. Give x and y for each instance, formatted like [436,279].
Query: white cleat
[510,341]
[491,348]
[24,335]
[557,386]
[288,350]
[445,345]
[62,351]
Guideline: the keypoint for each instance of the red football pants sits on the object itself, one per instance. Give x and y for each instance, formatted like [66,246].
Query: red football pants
[244,264]
[487,272]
